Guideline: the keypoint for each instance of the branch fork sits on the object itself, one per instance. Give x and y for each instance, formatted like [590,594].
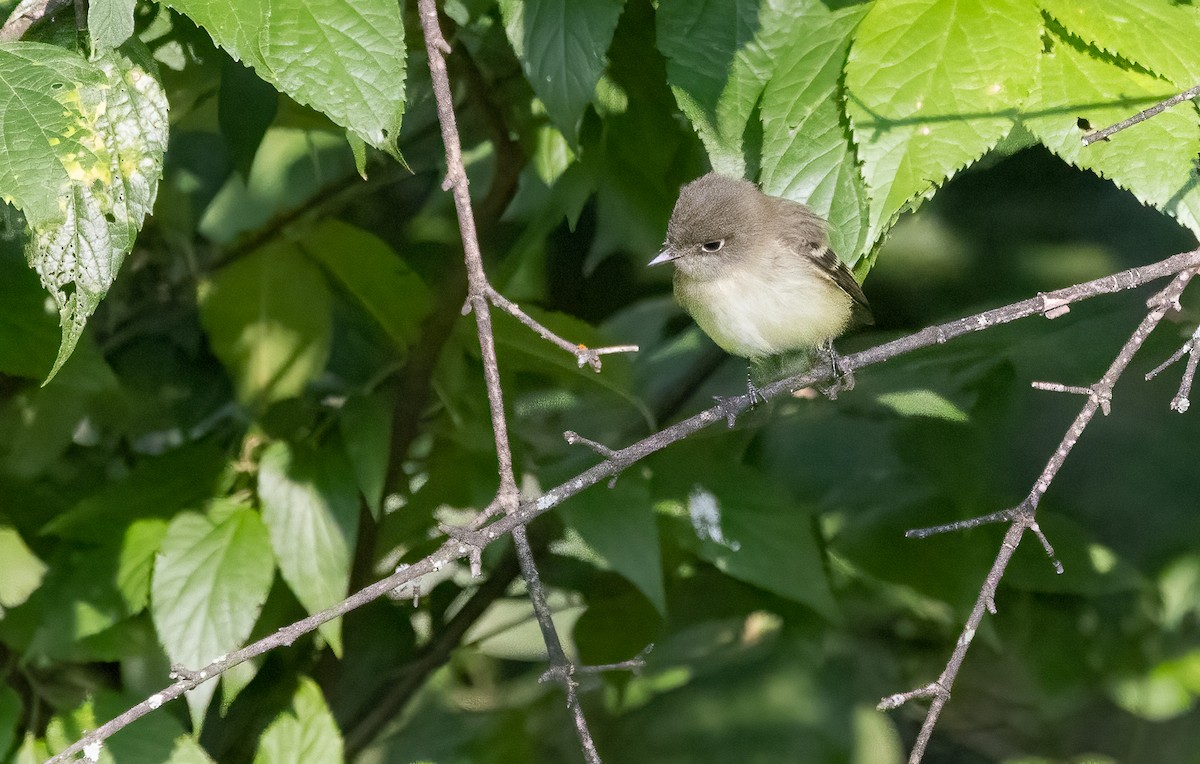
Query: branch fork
[1181,402]
[1180,265]
[567,672]
[1099,394]
[931,690]
[1022,516]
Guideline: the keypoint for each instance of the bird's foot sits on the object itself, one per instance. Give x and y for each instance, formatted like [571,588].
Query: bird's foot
[730,407]
[756,395]
[843,375]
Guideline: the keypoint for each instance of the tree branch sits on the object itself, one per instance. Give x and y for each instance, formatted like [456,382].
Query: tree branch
[365,728]
[480,293]
[1181,402]
[28,13]
[455,548]
[1022,516]
[1141,116]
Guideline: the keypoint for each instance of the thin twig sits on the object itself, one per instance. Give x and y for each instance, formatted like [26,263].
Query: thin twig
[1141,116]
[1181,402]
[1099,396]
[574,438]
[454,549]
[1056,387]
[634,664]
[1003,516]
[480,292]
[583,354]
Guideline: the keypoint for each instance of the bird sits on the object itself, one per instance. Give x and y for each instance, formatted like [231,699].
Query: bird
[757,274]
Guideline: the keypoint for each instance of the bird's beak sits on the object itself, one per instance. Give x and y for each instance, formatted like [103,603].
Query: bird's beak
[665,256]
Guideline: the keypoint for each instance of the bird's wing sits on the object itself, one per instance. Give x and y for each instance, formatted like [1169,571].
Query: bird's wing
[832,266]
[808,237]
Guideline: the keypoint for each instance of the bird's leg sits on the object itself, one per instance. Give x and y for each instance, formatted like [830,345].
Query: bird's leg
[843,375]
[756,396]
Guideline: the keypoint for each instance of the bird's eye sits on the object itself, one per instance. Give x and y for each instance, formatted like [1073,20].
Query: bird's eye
[713,246]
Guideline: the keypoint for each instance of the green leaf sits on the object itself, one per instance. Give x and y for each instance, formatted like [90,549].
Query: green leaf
[157,737]
[110,22]
[550,158]
[21,571]
[83,146]
[1179,590]
[345,58]
[68,726]
[307,732]
[32,750]
[10,716]
[310,506]
[366,426]
[359,149]
[382,282]
[48,92]
[28,331]
[1161,694]
[77,599]
[561,46]
[268,319]
[719,57]
[1154,160]
[290,166]
[923,403]
[155,488]
[807,153]
[931,85]
[510,631]
[749,528]
[1158,35]
[619,524]
[529,352]
[246,107]
[40,423]
[135,567]
[210,583]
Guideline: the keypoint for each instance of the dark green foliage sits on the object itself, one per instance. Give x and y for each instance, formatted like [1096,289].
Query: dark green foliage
[277,398]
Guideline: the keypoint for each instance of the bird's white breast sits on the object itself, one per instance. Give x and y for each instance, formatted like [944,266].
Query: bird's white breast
[767,306]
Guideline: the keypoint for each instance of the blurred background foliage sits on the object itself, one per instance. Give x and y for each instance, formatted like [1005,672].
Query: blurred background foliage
[279,398]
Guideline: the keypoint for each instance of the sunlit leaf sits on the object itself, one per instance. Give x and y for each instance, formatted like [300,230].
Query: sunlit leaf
[310,507]
[807,152]
[1154,160]
[305,732]
[719,57]
[930,86]
[268,318]
[345,58]
[21,571]
[1157,35]
[110,22]
[923,403]
[83,144]
[210,583]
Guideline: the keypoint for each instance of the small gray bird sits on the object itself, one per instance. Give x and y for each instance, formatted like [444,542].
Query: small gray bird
[757,274]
